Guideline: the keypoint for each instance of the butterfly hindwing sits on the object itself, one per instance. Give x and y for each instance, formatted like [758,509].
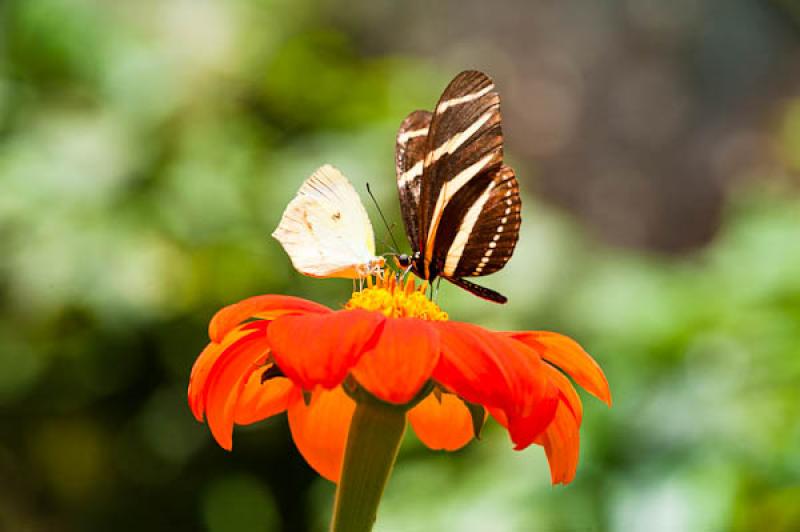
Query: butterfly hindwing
[488,233]
[410,153]
[464,150]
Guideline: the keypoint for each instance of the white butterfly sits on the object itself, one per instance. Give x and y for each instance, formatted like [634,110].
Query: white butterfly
[325,229]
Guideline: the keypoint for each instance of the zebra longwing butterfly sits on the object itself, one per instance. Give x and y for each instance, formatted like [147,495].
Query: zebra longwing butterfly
[460,203]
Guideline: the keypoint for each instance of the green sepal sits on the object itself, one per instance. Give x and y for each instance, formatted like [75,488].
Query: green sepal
[359,394]
[478,415]
[437,393]
[271,373]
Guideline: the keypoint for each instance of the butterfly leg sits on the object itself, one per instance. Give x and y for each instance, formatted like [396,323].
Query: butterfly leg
[434,287]
[402,276]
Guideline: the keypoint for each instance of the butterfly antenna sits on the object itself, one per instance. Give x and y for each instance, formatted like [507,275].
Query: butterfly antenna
[380,212]
[434,286]
[388,245]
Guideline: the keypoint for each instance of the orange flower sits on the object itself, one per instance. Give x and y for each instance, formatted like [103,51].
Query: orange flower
[271,353]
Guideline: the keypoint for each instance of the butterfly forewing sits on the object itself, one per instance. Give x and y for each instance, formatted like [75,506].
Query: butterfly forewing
[464,149]
[410,154]
[325,229]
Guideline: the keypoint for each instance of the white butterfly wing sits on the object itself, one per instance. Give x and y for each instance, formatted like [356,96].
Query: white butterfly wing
[325,229]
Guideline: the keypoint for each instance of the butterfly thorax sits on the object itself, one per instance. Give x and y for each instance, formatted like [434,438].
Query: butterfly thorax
[414,262]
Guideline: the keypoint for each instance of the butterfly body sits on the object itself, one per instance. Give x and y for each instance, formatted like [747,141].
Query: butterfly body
[460,203]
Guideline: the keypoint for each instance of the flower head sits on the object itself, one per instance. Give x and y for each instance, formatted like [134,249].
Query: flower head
[271,353]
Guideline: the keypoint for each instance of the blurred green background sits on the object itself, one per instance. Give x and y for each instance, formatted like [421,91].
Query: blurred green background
[148,148]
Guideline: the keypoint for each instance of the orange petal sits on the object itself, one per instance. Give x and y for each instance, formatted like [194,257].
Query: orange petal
[529,430]
[320,430]
[227,378]
[260,400]
[561,443]
[197,380]
[443,425]
[401,361]
[321,349]
[534,426]
[568,394]
[264,307]
[203,365]
[498,416]
[483,367]
[565,353]
[525,428]
[494,371]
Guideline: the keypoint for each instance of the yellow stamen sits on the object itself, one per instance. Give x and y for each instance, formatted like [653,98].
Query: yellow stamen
[410,285]
[397,300]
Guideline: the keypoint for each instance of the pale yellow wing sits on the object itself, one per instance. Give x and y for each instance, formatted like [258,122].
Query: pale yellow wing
[325,229]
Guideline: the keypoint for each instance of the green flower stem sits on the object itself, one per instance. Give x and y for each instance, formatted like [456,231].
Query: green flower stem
[372,444]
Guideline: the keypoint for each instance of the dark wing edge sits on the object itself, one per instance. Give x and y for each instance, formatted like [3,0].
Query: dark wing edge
[409,155]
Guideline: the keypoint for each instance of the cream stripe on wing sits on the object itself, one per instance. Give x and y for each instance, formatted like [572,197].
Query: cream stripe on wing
[449,189]
[445,105]
[405,136]
[409,175]
[454,142]
[465,229]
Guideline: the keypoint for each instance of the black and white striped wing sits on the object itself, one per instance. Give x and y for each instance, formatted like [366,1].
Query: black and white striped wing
[464,153]
[489,231]
[410,152]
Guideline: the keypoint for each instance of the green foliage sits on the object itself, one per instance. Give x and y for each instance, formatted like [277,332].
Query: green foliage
[147,150]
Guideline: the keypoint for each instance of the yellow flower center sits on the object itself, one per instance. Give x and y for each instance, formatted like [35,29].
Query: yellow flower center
[397,300]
